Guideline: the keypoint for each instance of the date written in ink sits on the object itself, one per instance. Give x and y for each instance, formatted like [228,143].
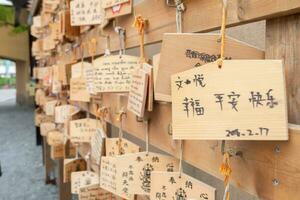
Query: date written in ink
[261,131]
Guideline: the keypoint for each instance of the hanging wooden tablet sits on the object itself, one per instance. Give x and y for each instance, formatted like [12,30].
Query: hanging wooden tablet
[111,3]
[113,73]
[119,9]
[156,59]
[138,92]
[73,165]
[56,81]
[62,113]
[89,78]
[97,145]
[78,90]
[83,179]
[50,107]
[82,130]
[46,127]
[86,12]
[185,51]
[130,173]
[244,100]
[55,138]
[57,152]
[95,193]
[173,185]
[117,146]
[150,89]
[78,69]
[108,174]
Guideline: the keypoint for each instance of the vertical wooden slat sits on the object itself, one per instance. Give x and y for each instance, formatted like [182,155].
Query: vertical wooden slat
[64,188]
[283,42]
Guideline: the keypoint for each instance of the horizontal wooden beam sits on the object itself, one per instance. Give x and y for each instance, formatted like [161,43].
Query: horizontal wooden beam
[255,171]
[200,16]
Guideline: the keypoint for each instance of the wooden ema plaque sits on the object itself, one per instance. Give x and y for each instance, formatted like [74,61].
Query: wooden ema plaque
[113,73]
[78,90]
[55,138]
[115,9]
[244,100]
[83,179]
[86,12]
[62,113]
[50,107]
[59,151]
[97,145]
[117,146]
[73,165]
[181,52]
[46,127]
[138,92]
[82,130]
[131,173]
[172,185]
[95,193]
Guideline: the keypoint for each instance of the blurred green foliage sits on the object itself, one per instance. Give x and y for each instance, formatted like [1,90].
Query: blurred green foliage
[7,17]
[7,81]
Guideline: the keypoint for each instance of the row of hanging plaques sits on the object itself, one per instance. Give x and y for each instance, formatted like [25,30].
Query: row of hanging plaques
[244,100]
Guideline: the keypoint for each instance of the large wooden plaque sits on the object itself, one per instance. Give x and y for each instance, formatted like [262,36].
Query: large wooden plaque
[173,185]
[113,73]
[181,52]
[244,100]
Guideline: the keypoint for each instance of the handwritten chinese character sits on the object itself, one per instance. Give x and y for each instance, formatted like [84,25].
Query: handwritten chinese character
[233,100]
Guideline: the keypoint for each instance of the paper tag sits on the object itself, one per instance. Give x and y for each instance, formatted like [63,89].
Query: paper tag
[97,145]
[113,73]
[138,92]
[55,138]
[82,130]
[83,179]
[238,102]
[78,90]
[169,185]
[115,146]
[73,165]
[46,127]
[131,173]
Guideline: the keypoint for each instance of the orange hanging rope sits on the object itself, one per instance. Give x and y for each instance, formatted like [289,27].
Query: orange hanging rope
[139,24]
[223,32]
[226,171]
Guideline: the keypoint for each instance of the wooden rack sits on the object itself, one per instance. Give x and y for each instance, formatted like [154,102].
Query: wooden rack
[269,170]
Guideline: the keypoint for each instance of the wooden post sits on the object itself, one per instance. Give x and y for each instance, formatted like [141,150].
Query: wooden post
[283,42]
[64,188]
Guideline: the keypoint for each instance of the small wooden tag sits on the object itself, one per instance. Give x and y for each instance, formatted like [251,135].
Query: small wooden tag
[97,141]
[119,10]
[55,138]
[111,3]
[130,173]
[83,179]
[113,73]
[86,12]
[57,151]
[50,107]
[172,185]
[82,130]
[46,127]
[73,165]
[138,92]
[78,90]
[95,193]
[117,146]
[62,113]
